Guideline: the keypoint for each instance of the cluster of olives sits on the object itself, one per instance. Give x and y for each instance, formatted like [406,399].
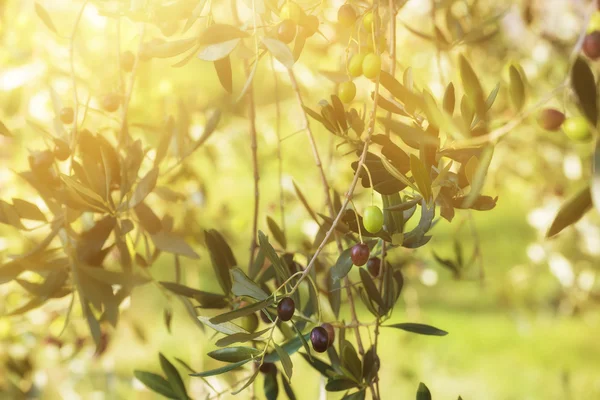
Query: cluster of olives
[576,128]
[367,64]
[321,337]
[295,21]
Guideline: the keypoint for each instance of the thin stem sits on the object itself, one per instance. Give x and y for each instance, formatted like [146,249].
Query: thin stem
[254,147]
[129,90]
[326,189]
[74,78]
[279,152]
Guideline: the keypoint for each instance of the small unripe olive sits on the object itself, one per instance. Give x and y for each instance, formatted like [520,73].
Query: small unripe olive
[355,65]
[373,219]
[61,150]
[67,115]
[250,323]
[371,65]
[347,91]
[293,11]
[577,128]
[111,102]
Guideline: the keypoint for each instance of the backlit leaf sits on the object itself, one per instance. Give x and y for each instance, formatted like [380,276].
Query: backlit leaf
[584,86]
[286,362]
[276,231]
[516,88]
[223,68]
[219,33]
[421,329]
[244,286]
[423,392]
[155,383]
[173,377]
[222,370]
[571,211]
[280,51]
[45,17]
[170,243]
[234,354]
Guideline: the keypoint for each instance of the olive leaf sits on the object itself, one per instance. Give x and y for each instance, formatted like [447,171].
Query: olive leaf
[219,33]
[223,68]
[173,377]
[584,86]
[155,383]
[45,17]
[222,370]
[241,312]
[571,211]
[218,51]
[423,392]
[234,354]
[244,286]
[276,231]
[421,329]
[595,185]
[170,243]
[472,86]
[144,188]
[280,51]
[221,258]
[516,88]
[286,362]
[342,265]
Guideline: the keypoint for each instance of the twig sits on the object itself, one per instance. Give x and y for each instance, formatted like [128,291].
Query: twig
[499,133]
[279,155]
[254,147]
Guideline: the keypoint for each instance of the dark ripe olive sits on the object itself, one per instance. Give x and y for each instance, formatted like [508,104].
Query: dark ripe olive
[67,115]
[319,339]
[286,308]
[551,119]
[360,254]
[267,368]
[127,61]
[264,318]
[41,160]
[330,332]
[591,45]
[286,32]
[61,150]
[373,266]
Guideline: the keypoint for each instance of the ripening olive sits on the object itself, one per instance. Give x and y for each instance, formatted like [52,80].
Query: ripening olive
[346,15]
[67,115]
[551,119]
[330,332]
[291,10]
[591,45]
[111,102]
[360,254]
[286,31]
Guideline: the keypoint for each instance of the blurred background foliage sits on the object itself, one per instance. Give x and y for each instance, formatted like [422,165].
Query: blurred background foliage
[523,316]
